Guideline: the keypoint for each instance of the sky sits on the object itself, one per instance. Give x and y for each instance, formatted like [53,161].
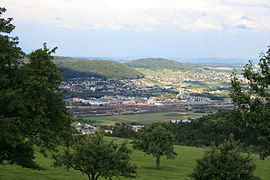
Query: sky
[143,28]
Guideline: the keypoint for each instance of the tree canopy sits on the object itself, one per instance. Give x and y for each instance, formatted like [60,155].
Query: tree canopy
[225,162]
[94,156]
[215,128]
[32,111]
[157,140]
[251,95]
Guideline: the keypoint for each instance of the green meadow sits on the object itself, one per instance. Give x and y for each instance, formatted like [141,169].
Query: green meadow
[145,119]
[177,169]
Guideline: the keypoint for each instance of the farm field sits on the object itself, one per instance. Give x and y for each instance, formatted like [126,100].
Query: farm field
[144,119]
[170,169]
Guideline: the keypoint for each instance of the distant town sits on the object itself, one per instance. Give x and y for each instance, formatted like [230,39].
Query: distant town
[118,97]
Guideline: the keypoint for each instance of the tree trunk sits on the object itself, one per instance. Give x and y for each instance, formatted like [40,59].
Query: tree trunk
[158,162]
[89,177]
[92,176]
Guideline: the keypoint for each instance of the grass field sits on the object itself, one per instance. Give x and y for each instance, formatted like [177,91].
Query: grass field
[171,169]
[143,118]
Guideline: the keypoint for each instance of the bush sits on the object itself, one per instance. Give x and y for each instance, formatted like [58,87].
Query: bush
[225,163]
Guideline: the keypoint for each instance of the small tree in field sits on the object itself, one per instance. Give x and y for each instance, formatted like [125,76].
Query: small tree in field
[94,156]
[225,163]
[157,140]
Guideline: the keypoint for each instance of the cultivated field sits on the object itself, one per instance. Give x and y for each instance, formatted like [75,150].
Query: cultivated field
[145,119]
[177,169]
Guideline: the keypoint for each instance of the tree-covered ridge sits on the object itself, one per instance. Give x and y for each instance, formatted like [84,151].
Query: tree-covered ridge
[107,69]
[159,63]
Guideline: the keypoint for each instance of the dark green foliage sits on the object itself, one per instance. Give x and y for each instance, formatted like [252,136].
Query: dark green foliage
[214,128]
[46,111]
[31,108]
[107,69]
[69,73]
[94,156]
[159,63]
[225,163]
[200,132]
[253,101]
[124,131]
[157,140]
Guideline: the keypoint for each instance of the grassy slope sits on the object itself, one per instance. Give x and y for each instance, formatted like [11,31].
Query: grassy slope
[171,169]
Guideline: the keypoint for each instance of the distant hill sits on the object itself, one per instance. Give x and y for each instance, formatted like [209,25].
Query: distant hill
[218,61]
[106,69]
[60,59]
[159,63]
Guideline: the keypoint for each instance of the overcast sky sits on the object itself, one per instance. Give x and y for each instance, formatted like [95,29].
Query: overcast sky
[143,28]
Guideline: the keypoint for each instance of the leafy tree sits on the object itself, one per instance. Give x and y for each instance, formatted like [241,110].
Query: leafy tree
[251,95]
[157,140]
[94,156]
[31,108]
[225,163]
[124,131]
[48,117]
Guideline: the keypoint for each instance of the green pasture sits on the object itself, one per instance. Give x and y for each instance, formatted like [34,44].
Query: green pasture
[177,169]
[145,119]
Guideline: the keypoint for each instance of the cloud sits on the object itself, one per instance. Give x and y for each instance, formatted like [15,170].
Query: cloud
[241,26]
[142,15]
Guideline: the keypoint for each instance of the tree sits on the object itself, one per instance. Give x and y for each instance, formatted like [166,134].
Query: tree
[124,131]
[225,163]
[31,108]
[157,140]
[251,95]
[94,156]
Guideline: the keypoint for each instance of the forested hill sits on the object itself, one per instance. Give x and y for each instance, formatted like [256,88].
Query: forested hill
[159,63]
[106,69]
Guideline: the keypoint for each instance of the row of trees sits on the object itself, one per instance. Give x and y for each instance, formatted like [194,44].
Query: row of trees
[215,128]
